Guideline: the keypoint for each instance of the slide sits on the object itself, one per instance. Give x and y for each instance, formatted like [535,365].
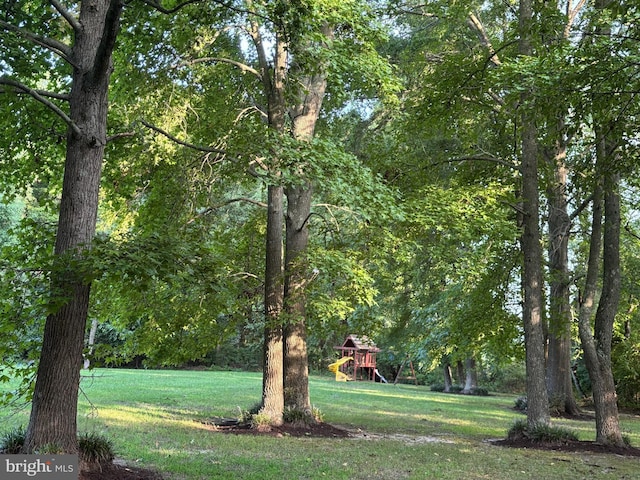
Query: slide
[335,368]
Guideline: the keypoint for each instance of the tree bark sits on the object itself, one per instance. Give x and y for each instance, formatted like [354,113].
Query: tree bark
[537,399]
[559,381]
[597,344]
[471,379]
[304,115]
[448,382]
[55,398]
[295,355]
[272,371]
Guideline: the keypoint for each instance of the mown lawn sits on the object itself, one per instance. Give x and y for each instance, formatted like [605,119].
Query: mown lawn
[154,419]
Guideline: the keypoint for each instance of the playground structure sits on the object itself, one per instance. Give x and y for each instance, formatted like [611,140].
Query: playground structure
[335,368]
[358,359]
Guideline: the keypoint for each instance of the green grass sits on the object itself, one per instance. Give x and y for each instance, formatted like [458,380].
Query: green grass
[154,420]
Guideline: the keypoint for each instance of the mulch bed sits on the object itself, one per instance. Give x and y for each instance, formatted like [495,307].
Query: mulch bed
[575,446]
[318,430]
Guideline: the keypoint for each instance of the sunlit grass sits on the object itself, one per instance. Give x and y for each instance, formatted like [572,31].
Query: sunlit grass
[155,419]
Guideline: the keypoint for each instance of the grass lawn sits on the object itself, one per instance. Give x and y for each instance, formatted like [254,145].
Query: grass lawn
[406,432]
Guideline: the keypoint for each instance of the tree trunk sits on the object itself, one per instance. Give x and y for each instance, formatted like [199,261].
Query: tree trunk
[295,354]
[272,372]
[305,115]
[471,380]
[273,80]
[55,398]
[460,376]
[448,382]
[559,381]
[597,345]
[537,400]
[603,384]
[91,342]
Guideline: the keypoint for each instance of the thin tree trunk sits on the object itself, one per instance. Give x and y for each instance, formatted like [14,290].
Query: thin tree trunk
[448,382]
[91,342]
[537,400]
[55,397]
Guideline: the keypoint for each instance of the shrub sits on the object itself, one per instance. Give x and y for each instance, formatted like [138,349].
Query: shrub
[479,391]
[521,404]
[541,433]
[50,449]
[261,422]
[296,416]
[12,440]
[318,416]
[94,449]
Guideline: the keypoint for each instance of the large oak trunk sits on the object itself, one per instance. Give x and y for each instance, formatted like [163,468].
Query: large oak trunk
[295,354]
[305,114]
[273,373]
[55,398]
[559,382]
[537,399]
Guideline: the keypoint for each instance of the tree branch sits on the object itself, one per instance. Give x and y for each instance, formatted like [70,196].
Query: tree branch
[40,98]
[581,207]
[120,135]
[182,142]
[476,158]
[225,203]
[58,96]
[243,67]
[62,10]
[476,25]
[157,5]
[59,48]
[572,13]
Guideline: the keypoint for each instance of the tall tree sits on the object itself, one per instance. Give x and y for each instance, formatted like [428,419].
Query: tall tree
[304,113]
[537,399]
[93,27]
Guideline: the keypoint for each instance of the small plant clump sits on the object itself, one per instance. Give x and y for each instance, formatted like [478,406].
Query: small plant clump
[541,433]
[50,449]
[521,404]
[261,422]
[95,450]
[479,391]
[318,416]
[296,416]
[12,440]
